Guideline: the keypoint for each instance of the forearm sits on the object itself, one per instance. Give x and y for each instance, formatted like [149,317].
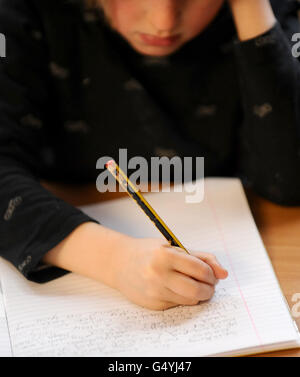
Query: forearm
[269,85]
[252,17]
[90,250]
[147,271]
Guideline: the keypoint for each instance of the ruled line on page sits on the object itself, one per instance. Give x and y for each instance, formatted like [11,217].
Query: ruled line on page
[226,250]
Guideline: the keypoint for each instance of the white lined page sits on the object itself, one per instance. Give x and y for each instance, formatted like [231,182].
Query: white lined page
[5,349]
[74,316]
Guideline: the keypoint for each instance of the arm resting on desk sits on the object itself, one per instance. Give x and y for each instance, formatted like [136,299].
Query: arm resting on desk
[148,271]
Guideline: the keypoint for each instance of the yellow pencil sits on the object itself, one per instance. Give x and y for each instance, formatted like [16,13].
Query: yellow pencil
[135,194]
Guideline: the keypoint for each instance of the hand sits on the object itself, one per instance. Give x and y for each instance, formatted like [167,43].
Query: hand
[154,275]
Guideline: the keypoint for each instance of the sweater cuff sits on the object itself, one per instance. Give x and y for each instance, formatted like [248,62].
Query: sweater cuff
[31,265]
[273,44]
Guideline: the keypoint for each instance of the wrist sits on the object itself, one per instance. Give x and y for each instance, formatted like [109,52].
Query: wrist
[90,250]
[252,17]
[116,249]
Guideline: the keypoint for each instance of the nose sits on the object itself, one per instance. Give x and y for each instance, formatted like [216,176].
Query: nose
[164,16]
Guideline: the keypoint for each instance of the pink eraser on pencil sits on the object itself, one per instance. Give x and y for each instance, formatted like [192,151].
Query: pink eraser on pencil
[110,162]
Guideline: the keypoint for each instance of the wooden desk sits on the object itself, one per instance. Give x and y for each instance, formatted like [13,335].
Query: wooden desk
[278,226]
[280,230]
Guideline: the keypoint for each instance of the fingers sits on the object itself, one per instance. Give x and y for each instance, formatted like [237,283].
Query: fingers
[212,261]
[175,298]
[176,278]
[161,305]
[190,290]
[192,266]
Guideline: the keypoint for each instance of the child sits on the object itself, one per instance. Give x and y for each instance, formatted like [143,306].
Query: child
[209,78]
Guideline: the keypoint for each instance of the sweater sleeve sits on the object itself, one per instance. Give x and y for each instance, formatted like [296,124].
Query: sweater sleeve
[269,155]
[32,220]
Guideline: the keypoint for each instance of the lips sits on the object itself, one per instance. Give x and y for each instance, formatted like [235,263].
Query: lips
[153,40]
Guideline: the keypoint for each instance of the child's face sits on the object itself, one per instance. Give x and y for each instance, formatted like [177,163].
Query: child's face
[159,27]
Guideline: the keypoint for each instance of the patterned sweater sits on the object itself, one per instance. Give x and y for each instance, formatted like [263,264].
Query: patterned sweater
[72,91]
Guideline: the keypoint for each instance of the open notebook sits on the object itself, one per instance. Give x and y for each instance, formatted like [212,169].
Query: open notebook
[74,316]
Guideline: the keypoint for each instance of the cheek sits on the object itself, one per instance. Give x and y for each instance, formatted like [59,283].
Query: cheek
[193,24]
[124,15]
[197,17]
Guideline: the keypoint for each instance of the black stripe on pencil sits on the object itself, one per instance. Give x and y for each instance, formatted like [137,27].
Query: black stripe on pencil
[135,194]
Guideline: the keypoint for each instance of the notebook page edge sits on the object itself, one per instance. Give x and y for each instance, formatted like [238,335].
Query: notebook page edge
[274,347]
[297,330]
[3,318]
